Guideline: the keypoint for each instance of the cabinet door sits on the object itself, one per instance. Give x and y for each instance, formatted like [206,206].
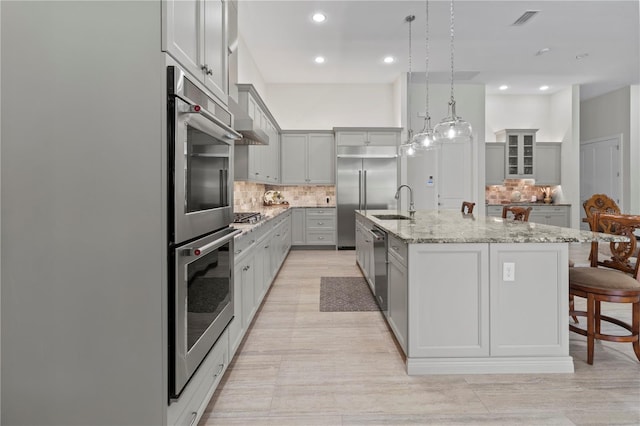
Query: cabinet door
[397,313]
[520,155]
[454,185]
[383,138]
[298,227]
[321,159]
[214,47]
[294,157]
[352,138]
[181,36]
[494,164]
[548,162]
[236,329]
[248,298]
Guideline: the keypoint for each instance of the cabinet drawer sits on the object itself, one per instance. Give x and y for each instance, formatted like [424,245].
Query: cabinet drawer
[319,213]
[323,222]
[320,237]
[195,397]
[243,243]
[399,248]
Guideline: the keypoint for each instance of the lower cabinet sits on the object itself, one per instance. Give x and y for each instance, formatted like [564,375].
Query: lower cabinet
[548,214]
[397,306]
[196,395]
[314,226]
[364,252]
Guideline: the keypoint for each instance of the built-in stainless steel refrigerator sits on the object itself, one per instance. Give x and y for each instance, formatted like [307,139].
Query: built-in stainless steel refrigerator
[367,179]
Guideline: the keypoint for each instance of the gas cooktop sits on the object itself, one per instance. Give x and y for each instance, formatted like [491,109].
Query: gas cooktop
[247,217]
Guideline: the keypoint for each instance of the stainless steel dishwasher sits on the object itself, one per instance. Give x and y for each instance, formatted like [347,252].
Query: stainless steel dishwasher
[380,262]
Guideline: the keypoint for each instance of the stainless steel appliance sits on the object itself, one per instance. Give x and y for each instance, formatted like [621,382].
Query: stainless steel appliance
[200,160]
[366,179]
[380,262]
[202,302]
[200,209]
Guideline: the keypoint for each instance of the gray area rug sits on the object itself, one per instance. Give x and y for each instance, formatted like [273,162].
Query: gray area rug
[346,294]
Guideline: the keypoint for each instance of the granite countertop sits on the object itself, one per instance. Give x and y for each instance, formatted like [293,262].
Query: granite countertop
[528,203]
[451,226]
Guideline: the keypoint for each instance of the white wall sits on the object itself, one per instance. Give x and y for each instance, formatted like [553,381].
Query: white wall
[325,106]
[520,112]
[248,72]
[470,105]
[610,115]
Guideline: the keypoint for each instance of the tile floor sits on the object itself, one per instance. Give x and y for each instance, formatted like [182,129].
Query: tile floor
[299,366]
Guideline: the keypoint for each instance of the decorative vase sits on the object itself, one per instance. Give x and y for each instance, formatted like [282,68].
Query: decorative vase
[547,200]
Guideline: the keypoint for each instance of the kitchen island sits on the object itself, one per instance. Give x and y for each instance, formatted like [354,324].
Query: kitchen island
[471,295]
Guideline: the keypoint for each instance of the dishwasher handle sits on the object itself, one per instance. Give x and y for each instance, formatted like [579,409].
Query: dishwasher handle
[377,234]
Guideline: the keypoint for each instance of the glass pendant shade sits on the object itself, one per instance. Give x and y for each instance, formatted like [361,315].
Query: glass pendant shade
[407,150]
[424,140]
[452,128]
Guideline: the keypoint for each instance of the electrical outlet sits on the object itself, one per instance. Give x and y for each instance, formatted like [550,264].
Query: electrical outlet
[508,271]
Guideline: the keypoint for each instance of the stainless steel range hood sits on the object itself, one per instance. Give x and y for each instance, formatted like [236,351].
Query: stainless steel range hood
[251,116]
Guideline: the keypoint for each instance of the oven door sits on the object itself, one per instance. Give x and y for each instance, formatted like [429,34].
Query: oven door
[202,301]
[200,162]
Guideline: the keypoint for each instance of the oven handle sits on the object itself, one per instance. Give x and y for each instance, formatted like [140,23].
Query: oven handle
[197,109]
[203,249]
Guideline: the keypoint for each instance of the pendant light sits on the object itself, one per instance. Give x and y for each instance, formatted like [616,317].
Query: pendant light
[453,127]
[408,149]
[424,139]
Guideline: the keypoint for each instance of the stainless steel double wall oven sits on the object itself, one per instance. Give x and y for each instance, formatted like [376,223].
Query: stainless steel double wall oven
[200,242]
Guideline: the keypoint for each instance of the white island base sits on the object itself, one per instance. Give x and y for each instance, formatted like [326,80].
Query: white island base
[473,295]
[466,315]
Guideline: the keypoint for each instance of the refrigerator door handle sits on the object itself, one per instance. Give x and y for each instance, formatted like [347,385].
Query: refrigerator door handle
[359,189]
[364,187]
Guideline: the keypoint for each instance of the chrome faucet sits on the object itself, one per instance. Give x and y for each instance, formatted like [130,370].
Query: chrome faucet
[412,207]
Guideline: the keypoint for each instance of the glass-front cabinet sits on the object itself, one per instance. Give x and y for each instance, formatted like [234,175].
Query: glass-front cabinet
[519,152]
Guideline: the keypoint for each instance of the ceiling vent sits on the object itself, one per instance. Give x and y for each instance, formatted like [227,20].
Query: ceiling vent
[525,17]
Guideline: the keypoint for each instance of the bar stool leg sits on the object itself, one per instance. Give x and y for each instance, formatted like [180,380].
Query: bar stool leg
[591,306]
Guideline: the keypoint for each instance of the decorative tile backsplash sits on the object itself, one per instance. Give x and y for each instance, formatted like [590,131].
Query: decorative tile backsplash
[247,196]
[526,188]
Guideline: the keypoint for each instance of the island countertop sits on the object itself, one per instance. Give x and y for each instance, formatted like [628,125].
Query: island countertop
[451,226]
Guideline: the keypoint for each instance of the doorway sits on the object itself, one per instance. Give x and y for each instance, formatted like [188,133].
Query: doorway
[600,170]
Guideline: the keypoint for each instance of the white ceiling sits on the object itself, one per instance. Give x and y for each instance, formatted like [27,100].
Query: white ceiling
[357,34]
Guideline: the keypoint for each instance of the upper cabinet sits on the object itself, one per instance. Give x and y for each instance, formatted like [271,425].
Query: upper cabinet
[548,163]
[308,158]
[383,136]
[494,160]
[196,36]
[519,152]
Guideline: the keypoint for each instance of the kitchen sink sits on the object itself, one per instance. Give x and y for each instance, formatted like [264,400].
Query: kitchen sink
[391,217]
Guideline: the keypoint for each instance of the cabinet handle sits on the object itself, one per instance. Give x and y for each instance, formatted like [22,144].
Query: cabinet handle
[320,223]
[209,71]
[220,368]
[395,248]
[237,251]
[204,67]
[321,238]
[266,247]
[194,415]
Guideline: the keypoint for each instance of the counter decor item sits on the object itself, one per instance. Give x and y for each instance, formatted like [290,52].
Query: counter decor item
[546,194]
[515,196]
[271,198]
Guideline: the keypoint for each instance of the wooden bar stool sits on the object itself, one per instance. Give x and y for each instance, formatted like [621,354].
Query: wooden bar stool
[614,280]
[467,207]
[518,213]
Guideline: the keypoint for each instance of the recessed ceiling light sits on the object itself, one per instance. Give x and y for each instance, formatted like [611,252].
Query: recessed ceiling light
[543,51]
[503,87]
[319,17]
[389,60]
[319,59]
[544,87]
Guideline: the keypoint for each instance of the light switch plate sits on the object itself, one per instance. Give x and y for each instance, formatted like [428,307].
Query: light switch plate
[508,271]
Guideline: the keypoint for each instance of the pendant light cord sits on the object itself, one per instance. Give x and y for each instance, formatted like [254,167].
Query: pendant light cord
[451,29]
[409,19]
[426,73]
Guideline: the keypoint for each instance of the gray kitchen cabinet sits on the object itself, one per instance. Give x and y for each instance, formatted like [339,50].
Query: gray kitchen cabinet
[520,161]
[382,136]
[551,215]
[494,163]
[307,158]
[196,37]
[313,226]
[298,227]
[364,251]
[548,214]
[548,163]
[397,312]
